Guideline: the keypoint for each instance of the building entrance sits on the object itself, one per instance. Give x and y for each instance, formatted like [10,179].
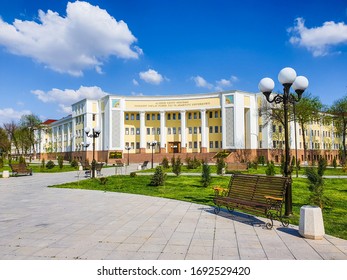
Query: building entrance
[174,147]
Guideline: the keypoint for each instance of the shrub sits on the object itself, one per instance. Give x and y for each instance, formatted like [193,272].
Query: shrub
[270,170]
[74,163]
[192,163]
[165,162]
[103,180]
[176,166]
[133,174]
[60,162]
[206,175]
[158,178]
[50,164]
[43,164]
[220,165]
[316,186]
[322,166]
[261,160]
[334,163]
[1,162]
[22,160]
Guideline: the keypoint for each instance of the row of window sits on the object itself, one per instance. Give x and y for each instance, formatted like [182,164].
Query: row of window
[171,130]
[172,116]
[191,145]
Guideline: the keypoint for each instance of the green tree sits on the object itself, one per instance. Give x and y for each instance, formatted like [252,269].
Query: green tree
[206,175]
[339,112]
[158,178]
[177,166]
[5,144]
[30,123]
[307,110]
[220,165]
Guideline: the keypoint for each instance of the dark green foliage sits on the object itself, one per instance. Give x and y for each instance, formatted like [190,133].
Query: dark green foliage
[270,170]
[165,162]
[220,165]
[316,186]
[50,164]
[43,164]
[206,175]
[103,180]
[158,178]
[1,162]
[74,163]
[133,174]
[334,162]
[261,160]
[322,166]
[60,162]
[192,163]
[22,160]
[176,166]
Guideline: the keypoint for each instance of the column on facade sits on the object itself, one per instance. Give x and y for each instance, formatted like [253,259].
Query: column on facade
[62,138]
[162,133]
[203,131]
[142,133]
[183,132]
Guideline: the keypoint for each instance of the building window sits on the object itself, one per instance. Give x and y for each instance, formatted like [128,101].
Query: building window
[211,129]
[169,116]
[216,114]
[189,116]
[126,117]
[174,130]
[137,117]
[216,129]
[153,117]
[158,117]
[127,131]
[280,129]
[195,145]
[137,145]
[148,131]
[195,130]
[132,117]
[216,143]
[158,131]
[195,116]
[210,113]
[174,116]
[211,144]
[179,130]
[169,130]
[190,130]
[148,117]
[132,131]
[274,128]
[137,131]
[190,145]
[179,116]
[153,130]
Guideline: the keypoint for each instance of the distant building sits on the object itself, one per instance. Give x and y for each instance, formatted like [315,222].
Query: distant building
[198,125]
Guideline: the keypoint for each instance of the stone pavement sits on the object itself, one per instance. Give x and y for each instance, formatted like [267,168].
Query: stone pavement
[37,222]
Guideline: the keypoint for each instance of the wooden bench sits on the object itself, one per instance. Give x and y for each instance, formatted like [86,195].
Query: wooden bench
[119,163]
[255,193]
[237,166]
[144,164]
[20,169]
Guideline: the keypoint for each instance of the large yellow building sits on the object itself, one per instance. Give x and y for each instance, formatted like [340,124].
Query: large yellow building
[199,124]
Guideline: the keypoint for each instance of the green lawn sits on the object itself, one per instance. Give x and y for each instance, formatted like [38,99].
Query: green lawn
[188,188]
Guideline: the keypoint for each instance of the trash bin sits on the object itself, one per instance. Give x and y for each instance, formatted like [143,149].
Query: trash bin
[311,222]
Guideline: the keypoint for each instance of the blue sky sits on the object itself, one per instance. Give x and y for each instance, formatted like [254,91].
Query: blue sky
[55,52]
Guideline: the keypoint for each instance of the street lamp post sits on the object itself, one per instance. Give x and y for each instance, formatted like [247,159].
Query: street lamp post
[128,148]
[152,144]
[287,77]
[95,133]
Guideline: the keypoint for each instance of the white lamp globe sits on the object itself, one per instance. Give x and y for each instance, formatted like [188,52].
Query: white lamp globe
[287,76]
[97,129]
[266,85]
[87,130]
[300,83]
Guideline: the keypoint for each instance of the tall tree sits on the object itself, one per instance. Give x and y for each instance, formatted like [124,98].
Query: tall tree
[5,144]
[11,129]
[307,110]
[339,112]
[30,123]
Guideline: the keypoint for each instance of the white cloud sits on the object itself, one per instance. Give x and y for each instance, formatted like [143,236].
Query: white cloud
[219,85]
[66,97]
[81,40]
[151,76]
[318,40]
[9,114]
[201,82]
[135,82]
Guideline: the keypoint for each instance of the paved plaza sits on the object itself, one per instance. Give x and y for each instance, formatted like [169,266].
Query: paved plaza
[37,222]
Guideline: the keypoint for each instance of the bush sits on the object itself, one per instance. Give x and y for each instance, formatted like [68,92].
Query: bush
[270,170]
[22,160]
[176,166]
[165,163]
[60,162]
[316,186]
[220,165]
[206,175]
[158,178]
[103,180]
[50,164]
[74,163]
[261,160]
[1,162]
[192,163]
[133,174]
[322,166]
[334,163]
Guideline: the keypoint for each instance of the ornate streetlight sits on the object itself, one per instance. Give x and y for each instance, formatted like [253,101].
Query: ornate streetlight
[93,134]
[152,144]
[128,148]
[287,77]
